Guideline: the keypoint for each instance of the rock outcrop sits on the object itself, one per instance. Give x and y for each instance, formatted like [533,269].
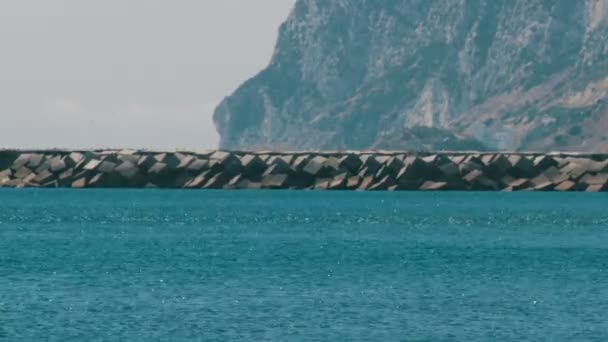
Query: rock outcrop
[365,170]
[527,75]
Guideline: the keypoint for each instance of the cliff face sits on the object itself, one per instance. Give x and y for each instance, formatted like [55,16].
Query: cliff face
[429,74]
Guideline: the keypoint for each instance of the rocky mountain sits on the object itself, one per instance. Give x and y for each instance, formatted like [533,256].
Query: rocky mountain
[429,74]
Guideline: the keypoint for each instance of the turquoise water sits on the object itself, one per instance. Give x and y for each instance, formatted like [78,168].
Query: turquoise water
[119,265]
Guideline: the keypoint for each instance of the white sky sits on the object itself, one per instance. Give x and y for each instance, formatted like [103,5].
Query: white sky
[126,73]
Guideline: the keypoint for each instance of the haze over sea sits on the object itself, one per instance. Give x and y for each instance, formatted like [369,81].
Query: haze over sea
[147,265]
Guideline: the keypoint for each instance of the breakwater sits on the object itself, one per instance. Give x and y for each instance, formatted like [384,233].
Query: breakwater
[356,170]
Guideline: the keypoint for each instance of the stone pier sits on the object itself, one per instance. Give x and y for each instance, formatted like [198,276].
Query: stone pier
[345,170]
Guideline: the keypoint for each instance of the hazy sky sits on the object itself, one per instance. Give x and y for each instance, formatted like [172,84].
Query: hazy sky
[126,73]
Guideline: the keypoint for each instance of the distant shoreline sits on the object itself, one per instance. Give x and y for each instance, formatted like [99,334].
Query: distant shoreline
[306,170]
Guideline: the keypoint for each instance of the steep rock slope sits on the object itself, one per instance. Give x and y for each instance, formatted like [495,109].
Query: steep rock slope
[429,74]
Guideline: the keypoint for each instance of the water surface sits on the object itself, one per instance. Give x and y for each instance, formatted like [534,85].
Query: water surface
[109,265]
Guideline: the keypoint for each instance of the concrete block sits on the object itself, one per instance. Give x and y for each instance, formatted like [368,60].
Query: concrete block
[338,182]
[519,184]
[417,171]
[457,159]
[199,180]
[383,172]
[168,159]
[469,166]
[300,162]
[551,173]
[56,165]
[353,182]
[230,164]
[73,159]
[558,179]
[51,184]
[365,172]
[80,183]
[598,166]
[561,161]
[20,161]
[443,159]
[477,180]
[90,155]
[127,169]
[475,158]
[283,158]
[596,188]
[177,179]
[12,183]
[202,153]
[449,171]
[65,178]
[333,162]
[158,169]
[27,180]
[275,181]
[106,153]
[97,180]
[382,159]
[574,171]
[234,182]
[215,166]
[246,184]
[22,172]
[544,162]
[546,186]
[383,184]
[498,166]
[198,165]
[184,161]
[539,180]
[430,159]
[106,167]
[92,165]
[279,166]
[315,166]
[582,162]
[434,186]
[370,162]
[523,168]
[350,163]
[598,179]
[217,181]
[7,158]
[253,166]
[264,157]
[566,186]
[145,162]
[35,160]
[221,155]
[133,158]
[44,166]
[6,173]
[322,184]
[394,165]
[109,157]
[486,159]
[43,177]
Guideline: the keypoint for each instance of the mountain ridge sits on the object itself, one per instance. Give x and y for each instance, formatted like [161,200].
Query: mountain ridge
[412,74]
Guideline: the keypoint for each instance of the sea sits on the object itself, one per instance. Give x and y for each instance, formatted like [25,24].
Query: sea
[154,265]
